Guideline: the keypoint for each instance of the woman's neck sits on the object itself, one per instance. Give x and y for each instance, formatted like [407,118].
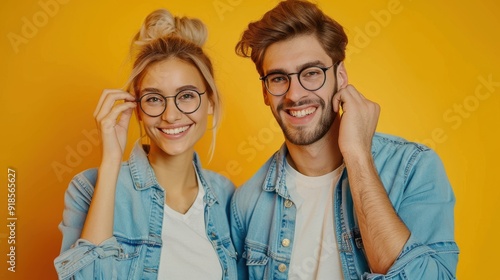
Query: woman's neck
[177,176]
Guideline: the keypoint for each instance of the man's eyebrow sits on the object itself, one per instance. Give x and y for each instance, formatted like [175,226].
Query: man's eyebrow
[275,71]
[310,64]
[297,68]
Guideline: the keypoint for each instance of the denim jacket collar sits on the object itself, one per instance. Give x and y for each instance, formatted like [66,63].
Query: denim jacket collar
[210,195]
[143,175]
[275,177]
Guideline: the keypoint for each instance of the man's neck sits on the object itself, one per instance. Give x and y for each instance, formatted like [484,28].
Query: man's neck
[319,158]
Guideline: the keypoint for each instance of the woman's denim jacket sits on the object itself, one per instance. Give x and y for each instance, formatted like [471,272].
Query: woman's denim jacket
[134,250]
[262,215]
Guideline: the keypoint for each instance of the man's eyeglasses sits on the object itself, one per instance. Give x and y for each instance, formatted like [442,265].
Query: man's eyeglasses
[154,104]
[310,78]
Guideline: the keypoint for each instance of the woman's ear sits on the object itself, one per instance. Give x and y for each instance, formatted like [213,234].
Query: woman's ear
[210,107]
[341,75]
[138,112]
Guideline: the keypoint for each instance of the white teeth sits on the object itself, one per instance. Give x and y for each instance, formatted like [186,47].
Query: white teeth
[302,113]
[177,130]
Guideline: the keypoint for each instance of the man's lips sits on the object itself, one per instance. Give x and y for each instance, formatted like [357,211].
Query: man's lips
[302,112]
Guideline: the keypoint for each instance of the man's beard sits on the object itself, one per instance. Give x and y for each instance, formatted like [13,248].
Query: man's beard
[307,135]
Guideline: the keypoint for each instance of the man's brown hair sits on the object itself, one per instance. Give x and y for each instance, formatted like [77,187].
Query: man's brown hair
[287,20]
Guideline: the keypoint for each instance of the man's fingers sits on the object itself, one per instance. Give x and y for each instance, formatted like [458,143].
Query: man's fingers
[349,96]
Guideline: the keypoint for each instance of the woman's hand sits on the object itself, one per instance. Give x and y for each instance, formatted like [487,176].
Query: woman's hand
[112,116]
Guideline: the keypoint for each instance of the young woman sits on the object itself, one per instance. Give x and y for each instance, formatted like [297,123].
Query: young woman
[159,215]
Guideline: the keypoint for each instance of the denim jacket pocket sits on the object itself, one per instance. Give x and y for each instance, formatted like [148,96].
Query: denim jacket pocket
[254,257]
[128,259]
[256,262]
[128,251]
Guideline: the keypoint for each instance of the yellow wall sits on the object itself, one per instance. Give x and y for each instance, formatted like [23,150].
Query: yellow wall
[432,67]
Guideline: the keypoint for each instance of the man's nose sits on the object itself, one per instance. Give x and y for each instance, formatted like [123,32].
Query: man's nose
[295,90]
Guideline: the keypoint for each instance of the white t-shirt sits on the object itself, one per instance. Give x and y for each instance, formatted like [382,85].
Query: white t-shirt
[315,254]
[186,252]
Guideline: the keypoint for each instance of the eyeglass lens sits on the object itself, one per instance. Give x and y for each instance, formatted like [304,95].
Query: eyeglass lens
[311,78]
[154,104]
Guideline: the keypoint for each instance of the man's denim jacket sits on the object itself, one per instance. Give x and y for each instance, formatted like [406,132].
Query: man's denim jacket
[135,248]
[263,215]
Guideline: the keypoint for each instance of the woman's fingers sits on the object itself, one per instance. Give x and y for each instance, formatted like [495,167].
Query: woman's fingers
[125,116]
[103,96]
[118,115]
[108,99]
[112,116]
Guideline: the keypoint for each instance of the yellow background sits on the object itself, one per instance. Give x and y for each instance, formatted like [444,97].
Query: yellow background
[426,63]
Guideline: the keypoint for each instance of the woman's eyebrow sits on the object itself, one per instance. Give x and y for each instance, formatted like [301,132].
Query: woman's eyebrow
[150,90]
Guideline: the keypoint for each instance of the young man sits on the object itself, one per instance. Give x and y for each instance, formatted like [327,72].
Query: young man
[337,201]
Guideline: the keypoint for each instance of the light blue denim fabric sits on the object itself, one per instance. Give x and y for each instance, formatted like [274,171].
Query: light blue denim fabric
[262,215]
[135,248]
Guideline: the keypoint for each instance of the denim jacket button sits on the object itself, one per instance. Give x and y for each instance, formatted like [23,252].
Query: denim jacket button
[288,203]
[282,267]
[285,242]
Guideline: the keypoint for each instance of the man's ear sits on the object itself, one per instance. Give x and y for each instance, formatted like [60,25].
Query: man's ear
[341,75]
[265,95]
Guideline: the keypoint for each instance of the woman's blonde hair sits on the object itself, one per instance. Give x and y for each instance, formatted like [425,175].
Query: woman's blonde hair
[163,36]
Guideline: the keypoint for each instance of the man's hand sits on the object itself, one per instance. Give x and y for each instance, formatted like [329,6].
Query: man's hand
[358,121]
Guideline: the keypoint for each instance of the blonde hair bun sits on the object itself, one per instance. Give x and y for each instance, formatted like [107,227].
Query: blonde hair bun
[161,23]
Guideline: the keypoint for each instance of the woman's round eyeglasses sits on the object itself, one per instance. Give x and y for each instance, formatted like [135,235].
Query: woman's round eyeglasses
[155,104]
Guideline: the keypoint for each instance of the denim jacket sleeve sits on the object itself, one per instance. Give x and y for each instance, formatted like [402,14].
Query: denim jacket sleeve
[426,205]
[88,261]
[80,258]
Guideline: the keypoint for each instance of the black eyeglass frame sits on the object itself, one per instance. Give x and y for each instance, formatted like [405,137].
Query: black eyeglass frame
[324,69]
[138,100]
